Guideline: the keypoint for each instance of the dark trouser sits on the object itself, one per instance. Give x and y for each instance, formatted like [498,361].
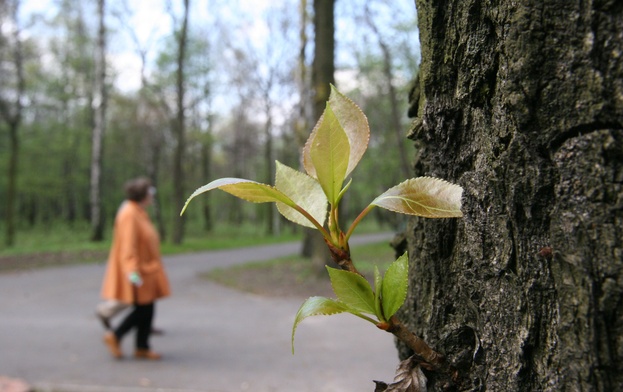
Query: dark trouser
[141,318]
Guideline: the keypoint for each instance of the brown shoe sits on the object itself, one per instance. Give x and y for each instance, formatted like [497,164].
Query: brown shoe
[142,353]
[113,345]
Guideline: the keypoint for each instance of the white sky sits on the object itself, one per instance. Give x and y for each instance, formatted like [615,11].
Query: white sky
[151,22]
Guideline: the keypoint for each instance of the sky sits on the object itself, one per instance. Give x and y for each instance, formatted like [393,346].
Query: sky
[150,23]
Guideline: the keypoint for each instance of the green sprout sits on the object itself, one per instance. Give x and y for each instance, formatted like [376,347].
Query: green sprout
[333,150]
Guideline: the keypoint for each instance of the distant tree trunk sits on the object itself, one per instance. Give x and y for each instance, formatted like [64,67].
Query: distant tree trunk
[12,183]
[206,160]
[323,70]
[11,113]
[99,125]
[323,66]
[303,123]
[272,223]
[302,127]
[179,193]
[153,171]
[521,103]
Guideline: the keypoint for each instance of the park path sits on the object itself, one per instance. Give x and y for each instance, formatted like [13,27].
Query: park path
[216,339]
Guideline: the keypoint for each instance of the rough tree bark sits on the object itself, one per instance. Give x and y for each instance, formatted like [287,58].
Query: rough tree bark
[521,103]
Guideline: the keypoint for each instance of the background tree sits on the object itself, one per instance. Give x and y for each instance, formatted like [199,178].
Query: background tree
[322,76]
[55,134]
[394,119]
[11,103]
[179,128]
[520,103]
[99,125]
[379,66]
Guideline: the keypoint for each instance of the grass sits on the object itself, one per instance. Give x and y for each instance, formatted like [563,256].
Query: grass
[61,244]
[62,238]
[295,275]
[292,275]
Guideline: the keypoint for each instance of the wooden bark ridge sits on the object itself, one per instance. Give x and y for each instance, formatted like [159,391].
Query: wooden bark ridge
[521,103]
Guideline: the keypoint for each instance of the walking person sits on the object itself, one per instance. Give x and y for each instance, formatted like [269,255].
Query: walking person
[135,274]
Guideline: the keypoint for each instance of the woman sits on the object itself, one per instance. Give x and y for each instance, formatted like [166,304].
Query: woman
[134,273]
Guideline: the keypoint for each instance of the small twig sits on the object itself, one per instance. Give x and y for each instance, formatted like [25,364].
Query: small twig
[342,258]
[415,343]
[431,359]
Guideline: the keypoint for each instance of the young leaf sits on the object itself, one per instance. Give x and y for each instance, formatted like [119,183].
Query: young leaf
[304,191]
[329,150]
[315,306]
[353,290]
[245,189]
[378,286]
[355,125]
[423,196]
[395,285]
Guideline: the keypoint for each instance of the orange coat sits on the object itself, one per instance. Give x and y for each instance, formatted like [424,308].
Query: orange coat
[135,247]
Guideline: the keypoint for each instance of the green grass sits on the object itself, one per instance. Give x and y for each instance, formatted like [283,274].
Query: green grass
[52,238]
[228,237]
[62,238]
[299,269]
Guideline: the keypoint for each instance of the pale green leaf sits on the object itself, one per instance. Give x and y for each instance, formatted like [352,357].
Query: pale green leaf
[395,285]
[329,151]
[378,286]
[245,189]
[343,191]
[353,290]
[423,196]
[354,123]
[305,191]
[315,306]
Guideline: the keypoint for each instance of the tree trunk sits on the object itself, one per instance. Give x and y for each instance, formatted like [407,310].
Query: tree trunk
[12,184]
[206,166]
[521,103]
[180,132]
[11,113]
[323,66]
[272,215]
[99,124]
[323,70]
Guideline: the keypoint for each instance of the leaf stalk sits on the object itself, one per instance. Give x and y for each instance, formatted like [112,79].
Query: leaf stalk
[361,215]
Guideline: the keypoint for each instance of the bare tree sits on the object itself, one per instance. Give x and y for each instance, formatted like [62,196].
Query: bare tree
[99,125]
[153,111]
[179,129]
[388,73]
[11,97]
[304,121]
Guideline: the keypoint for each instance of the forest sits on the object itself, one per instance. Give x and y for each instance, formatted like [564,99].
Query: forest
[95,93]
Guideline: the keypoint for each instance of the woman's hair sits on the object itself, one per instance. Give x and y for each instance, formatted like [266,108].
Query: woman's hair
[137,188]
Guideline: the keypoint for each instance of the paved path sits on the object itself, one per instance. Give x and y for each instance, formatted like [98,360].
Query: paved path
[216,339]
